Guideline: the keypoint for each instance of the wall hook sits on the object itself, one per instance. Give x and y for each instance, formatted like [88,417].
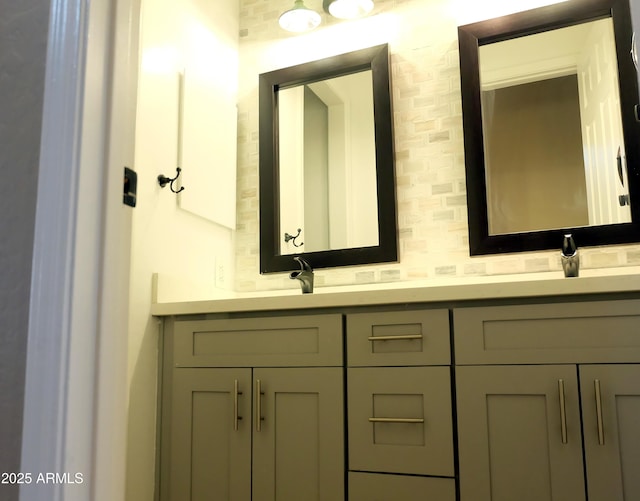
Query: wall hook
[164,180]
[288,237]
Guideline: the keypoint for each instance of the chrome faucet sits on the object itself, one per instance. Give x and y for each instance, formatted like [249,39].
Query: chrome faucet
[569,257]
[305,275]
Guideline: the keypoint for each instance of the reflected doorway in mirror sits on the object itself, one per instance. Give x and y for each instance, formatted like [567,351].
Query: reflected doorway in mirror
[520,75]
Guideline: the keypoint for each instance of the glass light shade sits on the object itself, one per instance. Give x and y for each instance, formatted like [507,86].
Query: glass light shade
[299,19]
[350,9]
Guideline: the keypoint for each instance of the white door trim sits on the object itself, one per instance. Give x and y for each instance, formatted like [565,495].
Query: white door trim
[70,388]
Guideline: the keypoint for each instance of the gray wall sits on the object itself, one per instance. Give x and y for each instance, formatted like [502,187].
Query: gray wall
[23,39]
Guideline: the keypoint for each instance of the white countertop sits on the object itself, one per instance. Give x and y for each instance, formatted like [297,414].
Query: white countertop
[624,279]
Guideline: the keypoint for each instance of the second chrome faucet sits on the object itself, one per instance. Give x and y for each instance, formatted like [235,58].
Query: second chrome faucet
[569,257]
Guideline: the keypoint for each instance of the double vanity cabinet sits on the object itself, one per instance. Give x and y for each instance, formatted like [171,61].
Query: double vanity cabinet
[478,400]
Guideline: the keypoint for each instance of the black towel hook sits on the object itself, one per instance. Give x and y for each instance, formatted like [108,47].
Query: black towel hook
[288,237]
[164,180]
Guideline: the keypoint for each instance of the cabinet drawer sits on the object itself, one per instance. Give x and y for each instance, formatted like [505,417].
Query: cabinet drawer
[398,338]
[370,486]
[594,332]
[314,340]
[400,420]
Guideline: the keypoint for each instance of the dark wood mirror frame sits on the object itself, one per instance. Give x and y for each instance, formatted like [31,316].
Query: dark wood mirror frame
[470,38]
[377,60]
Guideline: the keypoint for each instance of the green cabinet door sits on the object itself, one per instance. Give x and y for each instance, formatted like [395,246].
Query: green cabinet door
[298,434]
[611,422]
[519,433]
[210,436]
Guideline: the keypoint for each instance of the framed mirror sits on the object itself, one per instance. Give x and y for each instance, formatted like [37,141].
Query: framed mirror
[327,177]
[551,141]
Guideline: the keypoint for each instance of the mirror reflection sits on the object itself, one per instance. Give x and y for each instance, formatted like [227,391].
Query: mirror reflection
[327,156]
[552,130]
[550,133]
[327,177]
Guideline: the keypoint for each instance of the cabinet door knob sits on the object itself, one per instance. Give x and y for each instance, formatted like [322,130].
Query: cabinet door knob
[563,411]
[599,420]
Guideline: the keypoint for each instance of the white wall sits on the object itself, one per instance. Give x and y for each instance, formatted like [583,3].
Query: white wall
[291,181]
[360,182]
[179,245]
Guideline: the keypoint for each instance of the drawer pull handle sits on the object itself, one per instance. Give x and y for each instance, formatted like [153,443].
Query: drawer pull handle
[596,387]
[236,418]
[259,405]
[563,411]
[395,338]
[395,420]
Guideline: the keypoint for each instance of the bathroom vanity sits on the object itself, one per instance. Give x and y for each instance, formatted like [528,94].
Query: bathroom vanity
[482,391]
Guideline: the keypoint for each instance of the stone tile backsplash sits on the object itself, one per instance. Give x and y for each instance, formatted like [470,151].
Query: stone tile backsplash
[430,178]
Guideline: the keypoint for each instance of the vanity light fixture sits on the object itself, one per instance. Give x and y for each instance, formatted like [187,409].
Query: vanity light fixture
[299,19]
[348,9]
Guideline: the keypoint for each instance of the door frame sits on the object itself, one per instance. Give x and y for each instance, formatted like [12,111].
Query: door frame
[75,399]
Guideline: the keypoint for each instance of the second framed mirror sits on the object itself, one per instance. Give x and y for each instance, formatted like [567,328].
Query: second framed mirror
[551,143]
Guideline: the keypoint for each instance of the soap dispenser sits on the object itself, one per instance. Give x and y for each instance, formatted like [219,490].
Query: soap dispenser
[569,257]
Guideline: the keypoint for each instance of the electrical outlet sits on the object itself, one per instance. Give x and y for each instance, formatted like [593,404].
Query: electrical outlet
[221,274]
